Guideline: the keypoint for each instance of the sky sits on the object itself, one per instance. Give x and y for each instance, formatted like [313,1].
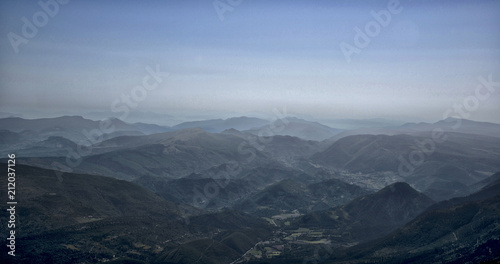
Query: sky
[317,59]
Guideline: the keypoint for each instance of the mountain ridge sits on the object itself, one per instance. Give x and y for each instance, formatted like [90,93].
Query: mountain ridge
[373,215]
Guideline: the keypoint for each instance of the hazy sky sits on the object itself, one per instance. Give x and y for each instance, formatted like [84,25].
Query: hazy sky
[250,58]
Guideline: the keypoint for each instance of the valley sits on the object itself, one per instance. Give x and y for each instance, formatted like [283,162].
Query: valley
[215,194]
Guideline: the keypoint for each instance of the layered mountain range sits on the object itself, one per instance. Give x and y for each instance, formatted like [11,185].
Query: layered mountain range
[219,191]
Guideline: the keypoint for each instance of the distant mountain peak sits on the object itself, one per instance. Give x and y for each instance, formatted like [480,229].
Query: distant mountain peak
[399,188]
[231,131]
[449,119]
[399,191]
[219,125]
[241,118]
[75,117]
